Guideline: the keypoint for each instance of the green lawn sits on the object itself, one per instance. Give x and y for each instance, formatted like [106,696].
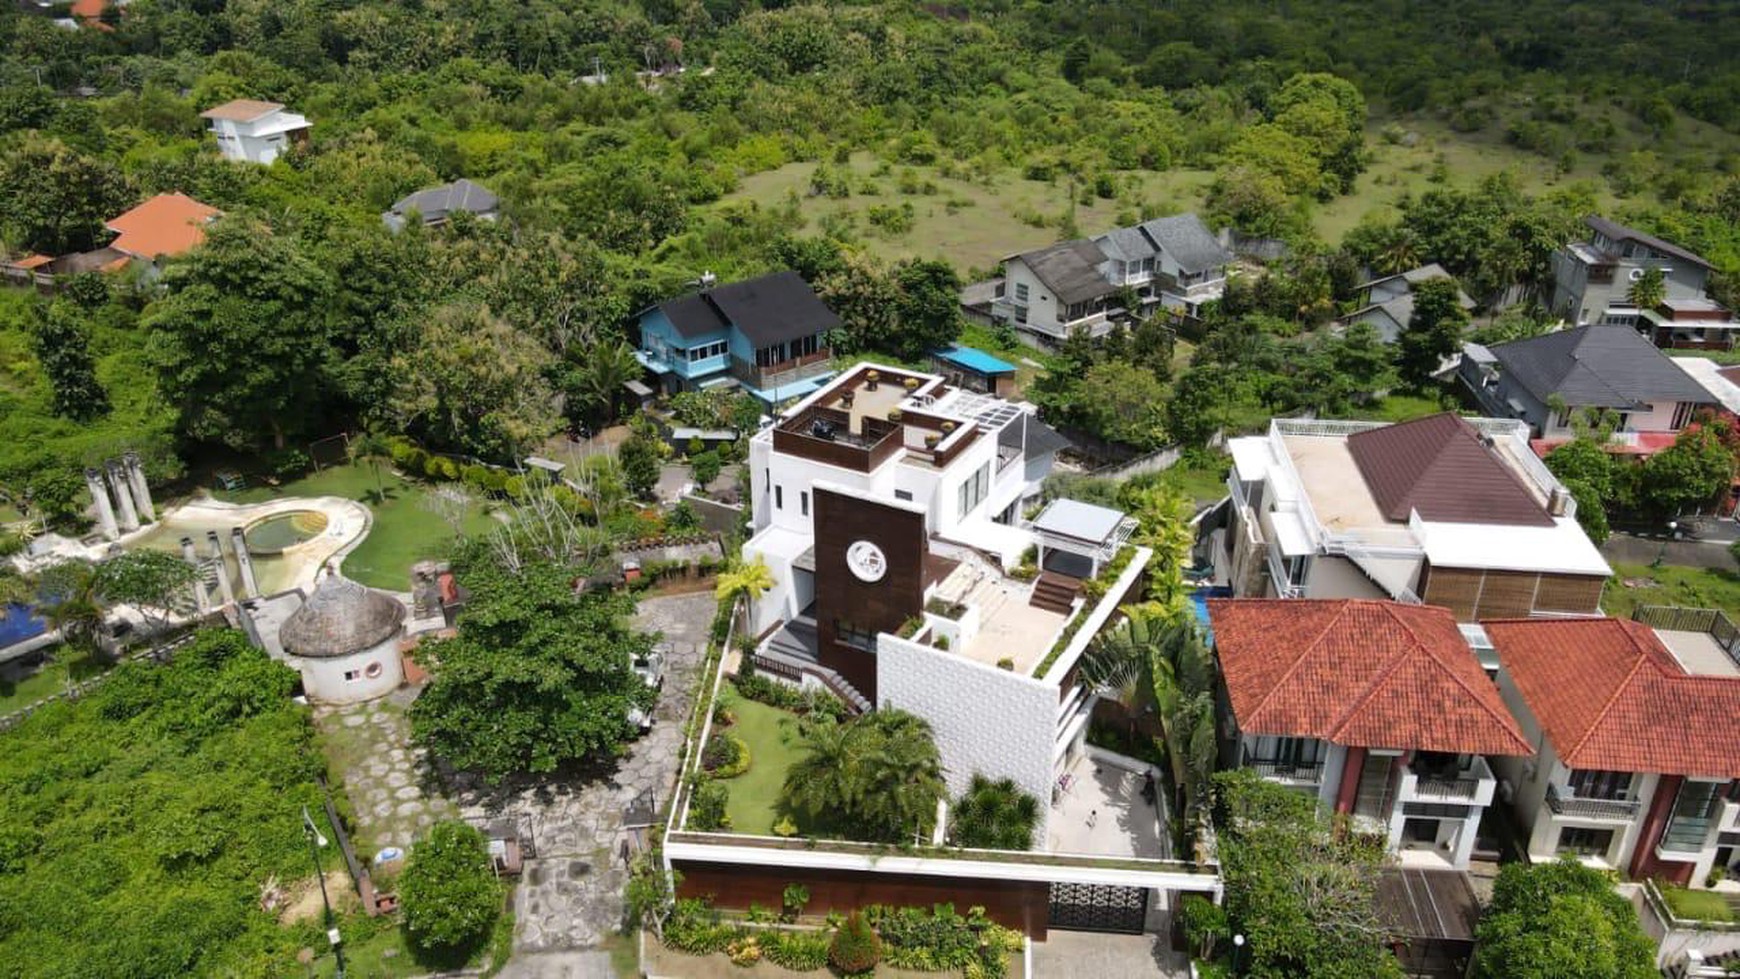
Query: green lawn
[404,530]
[51,678]
[1397,408]
[1670,585]
[769,733]
[1696,905]
[1206,483]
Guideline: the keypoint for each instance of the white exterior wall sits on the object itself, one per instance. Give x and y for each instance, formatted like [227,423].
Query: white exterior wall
[324,682]
[986,720]
[261,140]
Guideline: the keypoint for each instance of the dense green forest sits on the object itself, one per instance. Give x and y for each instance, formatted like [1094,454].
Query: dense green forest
[303,316]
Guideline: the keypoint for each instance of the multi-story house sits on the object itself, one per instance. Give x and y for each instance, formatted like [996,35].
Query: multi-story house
[1050,293]
[1592,278]
[888,507]
[1450,511]
[767,336]
[1638,731]
[1387,304]
[1546,381]
[435,206]
[1377,709]
[250,131]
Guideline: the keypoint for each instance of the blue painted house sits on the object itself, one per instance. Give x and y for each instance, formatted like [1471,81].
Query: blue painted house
[767,336]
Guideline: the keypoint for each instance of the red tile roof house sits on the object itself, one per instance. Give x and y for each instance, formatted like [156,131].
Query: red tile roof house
[1639,741]
[1377,709]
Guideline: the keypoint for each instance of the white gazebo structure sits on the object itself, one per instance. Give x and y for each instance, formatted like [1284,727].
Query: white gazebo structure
[1072,533]
[345,642]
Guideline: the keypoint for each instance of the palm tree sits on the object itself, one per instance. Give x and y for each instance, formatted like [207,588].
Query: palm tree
[877,777]
[744,581]
[1400,253]
[994,815]
[607,369]
[73,605]
[1117,665]
[1648,290]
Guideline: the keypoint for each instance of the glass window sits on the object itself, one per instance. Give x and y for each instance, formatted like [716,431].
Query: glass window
[804,502]
[1020,292]
[854,635]
[1694,809]
[707,350]
[779,497]
[1591,783]
[973,489]
[902,495]
[1585,842]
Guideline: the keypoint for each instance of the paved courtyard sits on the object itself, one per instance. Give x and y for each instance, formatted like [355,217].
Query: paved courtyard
[570,897]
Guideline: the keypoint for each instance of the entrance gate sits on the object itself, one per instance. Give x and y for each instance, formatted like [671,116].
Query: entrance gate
[1099,907]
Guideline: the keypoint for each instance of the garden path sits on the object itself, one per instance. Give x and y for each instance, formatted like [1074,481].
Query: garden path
[570,896]
[391,785]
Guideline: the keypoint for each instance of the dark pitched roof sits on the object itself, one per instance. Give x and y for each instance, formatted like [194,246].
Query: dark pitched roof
[1034,436]
[1359,673]
[435,203]
[773,308]
[693,316]
[1596,366]
[1610,696]
[1071,270]
[1619,232]
[1439,466]
[1127,244]
[1188,241]
[769,309]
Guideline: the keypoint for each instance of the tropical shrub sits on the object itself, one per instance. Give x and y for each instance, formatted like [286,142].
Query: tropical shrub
[725,756]
[855,949]
[994,815]
[696,929]
[875,777]
[450,892]
[799,951]
[707,808]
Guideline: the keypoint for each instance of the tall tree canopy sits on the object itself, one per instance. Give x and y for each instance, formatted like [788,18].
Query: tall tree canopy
[1560,919]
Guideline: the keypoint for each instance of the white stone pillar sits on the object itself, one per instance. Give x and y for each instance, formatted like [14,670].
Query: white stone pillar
[100,496]
[200,596]
[227,590]
[244,563]
[123,497]
[141,490]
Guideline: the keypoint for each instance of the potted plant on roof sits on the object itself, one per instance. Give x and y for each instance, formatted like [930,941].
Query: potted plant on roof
[848,397]
[931,439]
[911,383]
[894,414]
[873,378]
[948,427]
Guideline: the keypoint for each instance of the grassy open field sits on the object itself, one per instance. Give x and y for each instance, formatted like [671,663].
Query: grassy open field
[769,733]
[404,532]
[971,224]
[1670,585]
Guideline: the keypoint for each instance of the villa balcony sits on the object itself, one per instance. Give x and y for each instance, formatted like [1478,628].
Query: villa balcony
[774,376]
[1471,786]
[1730,818]
[1563,803]
[1288,772]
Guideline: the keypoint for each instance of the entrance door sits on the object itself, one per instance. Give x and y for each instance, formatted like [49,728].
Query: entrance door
[1099,907]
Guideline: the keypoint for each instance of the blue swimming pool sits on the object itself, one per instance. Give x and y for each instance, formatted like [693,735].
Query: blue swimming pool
[18,624]
[1199,607]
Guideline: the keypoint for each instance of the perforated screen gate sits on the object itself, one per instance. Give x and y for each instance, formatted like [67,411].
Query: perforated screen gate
[1099,907]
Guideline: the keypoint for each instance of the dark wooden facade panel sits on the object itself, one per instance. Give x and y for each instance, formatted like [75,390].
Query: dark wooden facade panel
[878,606]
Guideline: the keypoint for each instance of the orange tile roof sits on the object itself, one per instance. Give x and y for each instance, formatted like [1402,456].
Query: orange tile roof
[1365,674]
[31,261]
[241,110]
[1610,696]
[167,224]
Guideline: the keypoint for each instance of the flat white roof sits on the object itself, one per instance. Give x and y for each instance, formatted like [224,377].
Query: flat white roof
[1705,372]
[1290,534]
[1251,456]
[775,541]
[1560,549]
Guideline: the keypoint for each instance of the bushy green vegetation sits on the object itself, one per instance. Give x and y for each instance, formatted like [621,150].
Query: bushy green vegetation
[1560,918]
[1670,584]
[141,821]
[876,777]
[451,895]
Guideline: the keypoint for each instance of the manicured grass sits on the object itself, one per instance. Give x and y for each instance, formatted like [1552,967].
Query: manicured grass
[1671,585]
[404,531]
[377,948]
[1398,408]
[47,680]
[970,224]
[1696,905]
[770,734]
[1205,482]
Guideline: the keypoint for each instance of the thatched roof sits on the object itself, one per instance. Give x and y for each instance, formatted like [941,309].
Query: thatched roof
[340,618]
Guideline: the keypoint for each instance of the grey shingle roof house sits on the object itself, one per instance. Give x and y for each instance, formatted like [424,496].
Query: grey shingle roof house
[1188,241]
[1071,270]
[436,204]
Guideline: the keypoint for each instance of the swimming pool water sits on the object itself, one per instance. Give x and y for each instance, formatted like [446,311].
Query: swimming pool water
[19,623]
[1199,607]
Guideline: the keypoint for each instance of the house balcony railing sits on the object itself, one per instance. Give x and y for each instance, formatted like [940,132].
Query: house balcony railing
[1564,803]
[775,376]
[1473,785]
[1292,772]
[1284,586]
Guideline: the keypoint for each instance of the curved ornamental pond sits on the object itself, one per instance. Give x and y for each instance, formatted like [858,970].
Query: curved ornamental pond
[275,534]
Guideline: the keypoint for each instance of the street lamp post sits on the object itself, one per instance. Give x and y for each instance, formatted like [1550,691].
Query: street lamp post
[315,842]
[1673,533]
[1238,954]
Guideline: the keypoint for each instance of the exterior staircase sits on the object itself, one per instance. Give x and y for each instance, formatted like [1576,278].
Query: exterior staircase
[1713,967]
[1054,592]
[791,655]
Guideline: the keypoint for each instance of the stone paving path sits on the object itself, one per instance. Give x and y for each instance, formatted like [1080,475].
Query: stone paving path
[570,896]
[392,787]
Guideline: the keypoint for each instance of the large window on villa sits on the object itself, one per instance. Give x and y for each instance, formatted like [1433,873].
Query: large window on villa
[973,489]
[855,636]
[1694,809]
[707,350]
[1020,292]
[1589,783]
[1581,841]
